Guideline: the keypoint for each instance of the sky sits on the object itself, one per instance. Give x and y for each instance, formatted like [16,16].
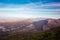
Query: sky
[30,8]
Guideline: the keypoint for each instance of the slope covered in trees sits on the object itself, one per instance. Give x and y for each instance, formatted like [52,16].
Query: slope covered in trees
[51,34]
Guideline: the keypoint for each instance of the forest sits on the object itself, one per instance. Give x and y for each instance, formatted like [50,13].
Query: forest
[51,34]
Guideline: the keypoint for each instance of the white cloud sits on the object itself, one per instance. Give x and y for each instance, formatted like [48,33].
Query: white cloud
[27,10]
[52,4]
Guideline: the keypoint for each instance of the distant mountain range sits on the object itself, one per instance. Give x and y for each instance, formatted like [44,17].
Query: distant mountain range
[43,25]
[33,24]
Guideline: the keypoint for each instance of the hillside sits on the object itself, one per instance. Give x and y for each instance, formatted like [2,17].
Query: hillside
[29,24]
[52,34]
[24,29]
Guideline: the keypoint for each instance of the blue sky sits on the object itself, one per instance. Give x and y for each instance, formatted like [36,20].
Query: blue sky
[30,8]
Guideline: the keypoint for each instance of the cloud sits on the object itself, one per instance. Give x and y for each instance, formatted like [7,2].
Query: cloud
[37,5]
[28,10]
[51,6]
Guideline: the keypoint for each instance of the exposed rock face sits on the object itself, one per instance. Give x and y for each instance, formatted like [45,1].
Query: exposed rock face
[39,24]
[46,24]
